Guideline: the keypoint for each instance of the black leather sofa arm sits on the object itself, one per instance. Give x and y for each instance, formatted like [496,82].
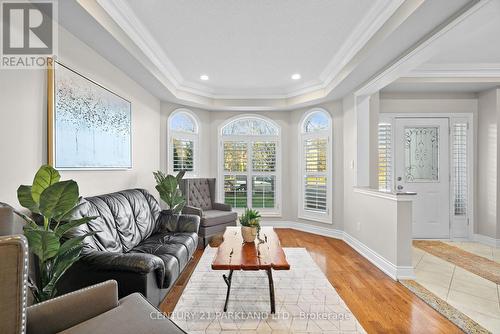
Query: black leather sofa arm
[221,206]
[178,223]
[188,223]
[135,262]
[191,210]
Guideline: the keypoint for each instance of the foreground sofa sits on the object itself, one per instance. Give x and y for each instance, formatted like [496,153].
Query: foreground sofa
[137,245]
[200,201]
[95,309]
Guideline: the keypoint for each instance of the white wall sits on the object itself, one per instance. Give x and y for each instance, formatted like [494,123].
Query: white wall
[377,225]
[487,166]
[23,123]
[396,103]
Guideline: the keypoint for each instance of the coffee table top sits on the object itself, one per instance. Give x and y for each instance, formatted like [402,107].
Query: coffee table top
[234,254]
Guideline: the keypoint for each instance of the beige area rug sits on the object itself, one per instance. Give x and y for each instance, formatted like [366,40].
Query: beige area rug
[476,264]
[462,321]
[305,300]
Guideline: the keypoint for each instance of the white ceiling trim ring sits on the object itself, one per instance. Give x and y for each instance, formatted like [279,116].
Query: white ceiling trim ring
[125,18]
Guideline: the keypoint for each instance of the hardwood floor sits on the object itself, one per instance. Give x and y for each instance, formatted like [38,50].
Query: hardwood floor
[379,303]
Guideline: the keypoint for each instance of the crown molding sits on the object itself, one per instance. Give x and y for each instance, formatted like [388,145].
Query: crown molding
[418,53]
[371,23]
[464,70]
[125,18]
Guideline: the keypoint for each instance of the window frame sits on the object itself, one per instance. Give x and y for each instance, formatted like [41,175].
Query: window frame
[183,135]
[249,173]
[303,213]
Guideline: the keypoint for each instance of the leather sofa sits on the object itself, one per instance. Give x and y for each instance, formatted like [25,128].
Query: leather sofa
[137,244]
[200,201]
[95,309]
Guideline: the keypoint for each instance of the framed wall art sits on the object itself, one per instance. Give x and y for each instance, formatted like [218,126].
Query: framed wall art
[89,126]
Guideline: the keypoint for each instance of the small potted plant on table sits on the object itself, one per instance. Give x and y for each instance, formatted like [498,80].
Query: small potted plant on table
[250,225]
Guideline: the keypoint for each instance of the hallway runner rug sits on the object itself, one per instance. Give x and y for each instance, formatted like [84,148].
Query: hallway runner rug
[462,321]
[305,300]
[476,264]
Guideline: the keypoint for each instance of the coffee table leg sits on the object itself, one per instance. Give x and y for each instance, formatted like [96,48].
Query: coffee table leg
[271,289]
[227,279]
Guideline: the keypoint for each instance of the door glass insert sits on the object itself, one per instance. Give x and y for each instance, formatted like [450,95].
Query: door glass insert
[422,154]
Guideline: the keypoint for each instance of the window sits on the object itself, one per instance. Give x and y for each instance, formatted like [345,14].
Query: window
[459,172]
[385,156]
[315,170]
[183,142]
[250,164]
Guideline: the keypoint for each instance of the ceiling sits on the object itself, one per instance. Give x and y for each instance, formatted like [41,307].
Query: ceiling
[468,62]
[250,49]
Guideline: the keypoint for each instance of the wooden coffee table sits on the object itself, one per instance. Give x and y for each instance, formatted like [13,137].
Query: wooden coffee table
[264,254]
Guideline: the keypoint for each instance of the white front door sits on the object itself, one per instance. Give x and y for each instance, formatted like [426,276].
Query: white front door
[422,166]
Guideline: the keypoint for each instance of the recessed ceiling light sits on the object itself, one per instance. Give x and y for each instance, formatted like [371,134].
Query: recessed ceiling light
[296,76]
[204,77]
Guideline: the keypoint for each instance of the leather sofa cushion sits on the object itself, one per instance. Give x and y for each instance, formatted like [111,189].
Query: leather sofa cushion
[125,218]
[216,217]
[175,250]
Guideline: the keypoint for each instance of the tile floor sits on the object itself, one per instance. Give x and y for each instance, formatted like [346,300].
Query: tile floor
[478,249]
[473,295]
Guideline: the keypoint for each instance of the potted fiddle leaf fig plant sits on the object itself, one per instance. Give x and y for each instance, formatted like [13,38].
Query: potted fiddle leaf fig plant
[52,204]
[168,188]
[250,225]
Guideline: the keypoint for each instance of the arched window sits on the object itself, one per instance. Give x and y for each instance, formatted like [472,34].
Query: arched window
[250,164]
[182,142]
[315,166]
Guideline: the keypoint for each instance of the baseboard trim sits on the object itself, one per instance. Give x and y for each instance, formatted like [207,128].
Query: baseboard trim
[390,269]
[324,231]
[485,240]
[387,267]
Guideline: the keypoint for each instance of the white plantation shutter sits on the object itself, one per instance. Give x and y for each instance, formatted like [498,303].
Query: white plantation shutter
[182,142]
[264,156]
[315,179]
[235,156]
[384,156]
[315,153]
[183,155]
[315,193]
[459,155]
[250,167]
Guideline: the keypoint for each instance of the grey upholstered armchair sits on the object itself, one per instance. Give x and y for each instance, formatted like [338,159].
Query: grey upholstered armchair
[95,309]
[200,200]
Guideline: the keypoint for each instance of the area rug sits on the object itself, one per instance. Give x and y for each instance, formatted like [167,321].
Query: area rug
[462,321]
[476,264]
[305,300]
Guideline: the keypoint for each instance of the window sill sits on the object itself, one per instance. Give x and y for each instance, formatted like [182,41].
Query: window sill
[263,214]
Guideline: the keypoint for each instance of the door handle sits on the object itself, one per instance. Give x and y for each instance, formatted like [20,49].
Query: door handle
[400,187]
[399,178]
